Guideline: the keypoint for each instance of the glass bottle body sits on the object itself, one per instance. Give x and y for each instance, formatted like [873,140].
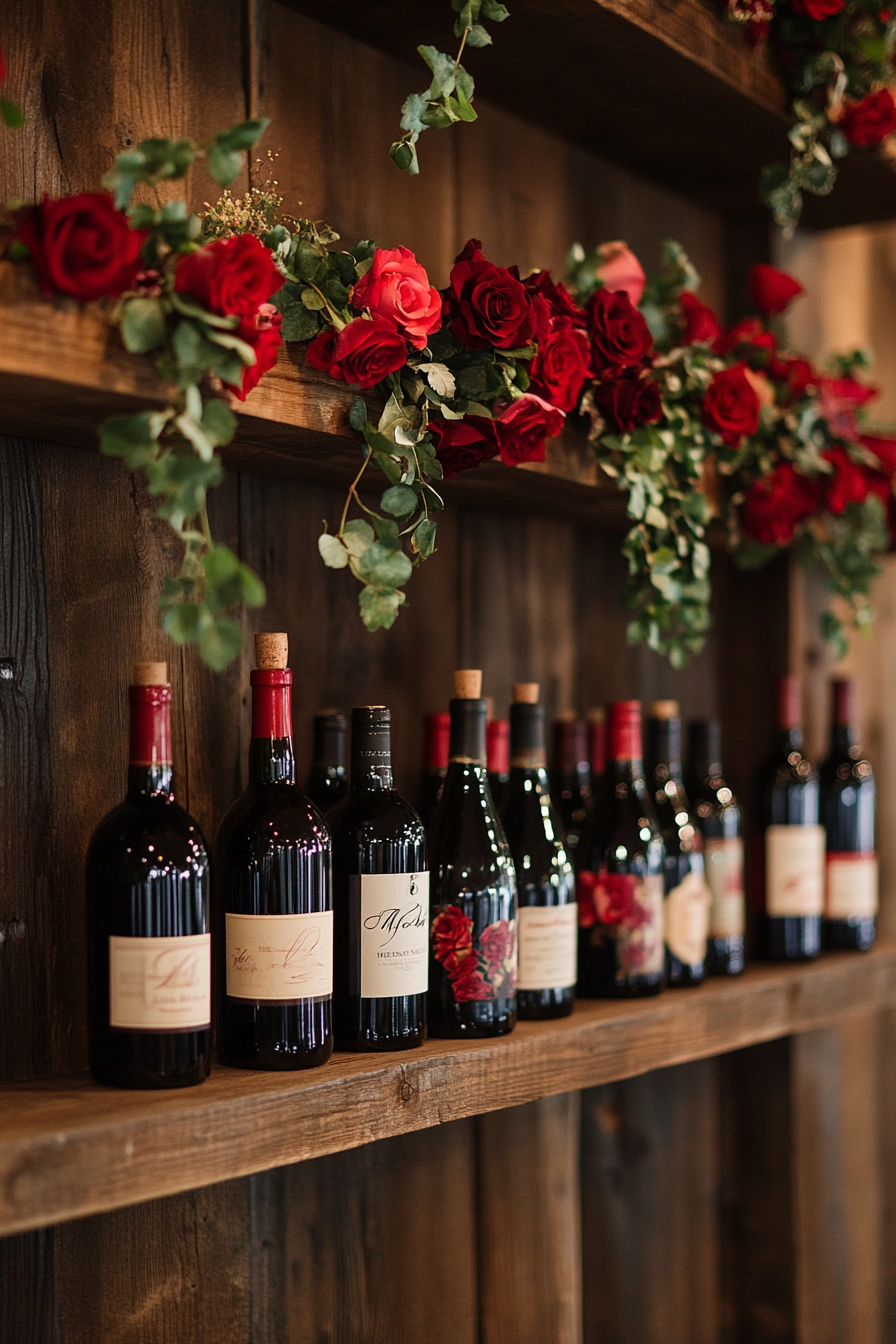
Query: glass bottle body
[847,813]
[789,923]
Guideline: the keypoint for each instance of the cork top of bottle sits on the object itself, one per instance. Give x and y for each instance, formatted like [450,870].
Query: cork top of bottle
[271,651]
[149,674]
[664,709]
[525,693]
[468,684]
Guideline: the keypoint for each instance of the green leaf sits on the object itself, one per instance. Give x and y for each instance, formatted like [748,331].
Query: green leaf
[439,118]
[224,165]
[218,422]
[219,564]
[379,606]
[357,416]
[313,301]
[357,536]
[332,551]
[465,109]
[183,621]
[384,567]
[404,156]
[424,539]
[133,437]
[244,135]
[479,36]
[13,116]
[494,11]
[400,501]
[219,642]
[299,323]
[442,68]
[412,112]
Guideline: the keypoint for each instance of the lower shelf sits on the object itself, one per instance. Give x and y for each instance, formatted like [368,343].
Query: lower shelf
[70,1148]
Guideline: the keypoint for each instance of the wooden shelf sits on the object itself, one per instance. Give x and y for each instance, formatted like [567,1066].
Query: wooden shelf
[664,87]
[70,1148]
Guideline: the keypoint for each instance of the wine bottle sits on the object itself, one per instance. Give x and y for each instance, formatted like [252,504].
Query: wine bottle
[570,783]
[148,940]
[847,813]
[717,813]
[792,870]
[328,780]
[497,756]
[472,974]
[687,899]
[546,905]
[597,763]
[380,900]
[436,733]
[621,904]
[273,902]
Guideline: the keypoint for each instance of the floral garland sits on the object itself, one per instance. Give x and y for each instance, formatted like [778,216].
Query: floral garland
[838,59]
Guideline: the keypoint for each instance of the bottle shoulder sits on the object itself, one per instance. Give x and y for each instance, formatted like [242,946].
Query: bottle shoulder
[147,821]
[279,813]
[382,815]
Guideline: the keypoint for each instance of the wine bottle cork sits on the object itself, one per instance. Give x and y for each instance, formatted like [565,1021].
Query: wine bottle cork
[525,692]
[468,684]
[664,709]
[149,674]
[271,651]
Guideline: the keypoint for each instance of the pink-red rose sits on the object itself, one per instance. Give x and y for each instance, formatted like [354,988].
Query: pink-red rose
[700,322]
[470,984]
[498,943]
[771,290]
[464,444]
[231,276]
[523,427]
[452,931]
[776,504]
[731,406]
[628,401]
[617,900]
[363,353]
[262,332]
[619,335]
[397,288]
[818,9]
[81,245]
[839,399]
[487,305]
[870,120]
[562,365]
[620,271]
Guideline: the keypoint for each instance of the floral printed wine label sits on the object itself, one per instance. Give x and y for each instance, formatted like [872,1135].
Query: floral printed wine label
[483,968]
[629,910]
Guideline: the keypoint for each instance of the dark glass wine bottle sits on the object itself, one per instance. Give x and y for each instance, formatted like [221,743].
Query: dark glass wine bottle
[687,898]
[600,783]
[717,813]
[497,755]
[380,901]
[472,975]
[328,780]
[792,860]
[570,782]
[436,734]
[148,940]
[847,813]
[546,904]
[273,902]
[621,904]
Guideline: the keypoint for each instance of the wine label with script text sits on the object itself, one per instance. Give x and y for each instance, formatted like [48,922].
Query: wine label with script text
[390,934]
[160,984]
[851,888]
[794,870]
[548,937]
[280,957]
[724,859]
[686,919]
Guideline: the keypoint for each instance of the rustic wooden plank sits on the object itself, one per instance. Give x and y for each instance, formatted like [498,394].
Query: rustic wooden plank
[27,1288]
[530,1223]
[68,1147]
[885,1107]
[649,1208]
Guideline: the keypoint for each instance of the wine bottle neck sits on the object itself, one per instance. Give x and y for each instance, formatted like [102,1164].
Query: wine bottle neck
[788,740]
[627,769]
[149,768]
[271,755]
[664,748]
[527,737]
[467,744]
[843,736]
[272,761]
[150,781]
[371,749]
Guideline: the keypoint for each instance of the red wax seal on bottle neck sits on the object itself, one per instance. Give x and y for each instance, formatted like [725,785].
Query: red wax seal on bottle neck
[625,730]
[497,747]
[436,739]
[271,702]
[150,725]
[789,703]
[844,702]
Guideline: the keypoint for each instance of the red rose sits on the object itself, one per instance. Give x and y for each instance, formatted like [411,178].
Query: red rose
[628,401]
[616,898]
[773,506]
[870,120]
[471,984]
[562,365]
[488,305]
[817,9]
[748,335]
[229,276]
[840,398]
[849,482]
[262,332]
[884,450]
[81,246]
[452,931]
[619,334]
[731,406]
[363,353]
[586,883]
[620,271]
[498,943]
[463,444]
[700,322]
[561,305]
[797,373]
[771,290]
[397,287]
[523,427]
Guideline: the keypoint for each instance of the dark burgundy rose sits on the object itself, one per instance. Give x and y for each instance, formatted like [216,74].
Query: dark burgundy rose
[795,372]
[363,353]
[849,482]
[884,449]
[82,246]
[700,322]
[731,406]
[562,306]
[749,337]
[262,332]
[870,120]
[487,305]
[523,427]
[562,365]
[628,401]
[229,276]
[464,444]
[469,983]
[771,290]
[776,504]
[619,335]
[818,9]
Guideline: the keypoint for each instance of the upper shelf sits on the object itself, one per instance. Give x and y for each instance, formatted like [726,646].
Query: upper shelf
[70,1148]
[665,87]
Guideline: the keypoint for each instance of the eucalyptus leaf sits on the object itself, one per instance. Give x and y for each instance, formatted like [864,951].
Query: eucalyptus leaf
[332,551]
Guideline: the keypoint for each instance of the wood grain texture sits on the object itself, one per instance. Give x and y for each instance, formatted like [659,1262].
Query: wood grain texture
[529,1218]
[68,1147]
[650,1254]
